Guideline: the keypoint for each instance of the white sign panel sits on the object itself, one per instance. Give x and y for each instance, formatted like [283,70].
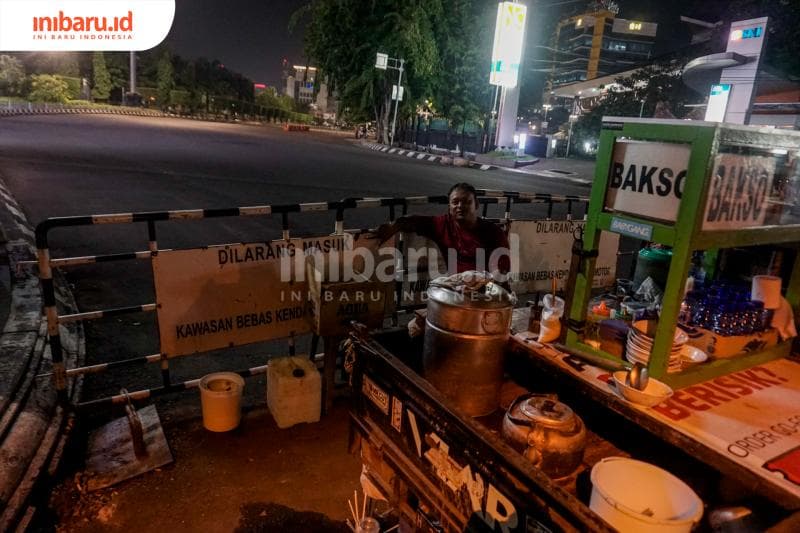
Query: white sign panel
[82,25]
[747,37]
[545,252]
[230,295]
[751,417]
[647,179]
[739,192]
[509,37]
[395,95]
[381,61]
[718,102]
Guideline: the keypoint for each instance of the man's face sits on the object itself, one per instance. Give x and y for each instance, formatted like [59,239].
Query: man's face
[463,206]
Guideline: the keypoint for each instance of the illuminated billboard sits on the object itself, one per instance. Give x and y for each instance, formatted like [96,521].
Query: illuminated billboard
[718,102]
[509,36]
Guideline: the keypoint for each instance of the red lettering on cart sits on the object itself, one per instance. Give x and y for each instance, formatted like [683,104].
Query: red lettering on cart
[708,395]
[734,385]
[751,377]
[687,400]
[671,410]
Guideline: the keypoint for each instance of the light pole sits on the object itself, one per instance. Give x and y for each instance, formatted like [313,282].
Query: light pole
[383,62]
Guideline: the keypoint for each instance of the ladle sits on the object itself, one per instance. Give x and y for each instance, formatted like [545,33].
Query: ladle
[637,377]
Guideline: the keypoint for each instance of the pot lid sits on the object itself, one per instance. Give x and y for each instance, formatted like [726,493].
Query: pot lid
[547,412]
[471,289]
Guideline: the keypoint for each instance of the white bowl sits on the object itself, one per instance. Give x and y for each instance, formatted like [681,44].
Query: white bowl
[690,354]
[655,392]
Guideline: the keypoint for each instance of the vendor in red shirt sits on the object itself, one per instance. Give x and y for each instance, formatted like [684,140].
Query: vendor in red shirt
[460,229]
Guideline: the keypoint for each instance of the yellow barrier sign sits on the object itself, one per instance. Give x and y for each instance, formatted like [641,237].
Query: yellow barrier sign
[230,295]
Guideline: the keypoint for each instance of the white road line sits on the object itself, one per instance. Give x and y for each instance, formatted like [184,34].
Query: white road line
[16,212]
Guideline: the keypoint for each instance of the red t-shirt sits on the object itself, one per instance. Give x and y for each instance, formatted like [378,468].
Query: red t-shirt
[447,233]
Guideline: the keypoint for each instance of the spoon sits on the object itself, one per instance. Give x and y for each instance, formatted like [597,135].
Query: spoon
[637,377]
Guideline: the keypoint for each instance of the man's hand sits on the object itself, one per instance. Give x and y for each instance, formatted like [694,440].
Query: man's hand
[385,232]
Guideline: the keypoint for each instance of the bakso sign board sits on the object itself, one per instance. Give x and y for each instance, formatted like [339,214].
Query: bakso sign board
[739,192]
[648,179]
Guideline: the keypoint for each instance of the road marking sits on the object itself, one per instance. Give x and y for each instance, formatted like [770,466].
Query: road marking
[410,154]
[421,156]
[392,150]
[432,157]
[486,167]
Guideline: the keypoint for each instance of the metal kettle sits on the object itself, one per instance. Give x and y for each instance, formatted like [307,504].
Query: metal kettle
[552,436]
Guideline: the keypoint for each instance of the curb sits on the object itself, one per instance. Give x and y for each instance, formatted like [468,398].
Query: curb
[17,111]
[427,157]
[31,421]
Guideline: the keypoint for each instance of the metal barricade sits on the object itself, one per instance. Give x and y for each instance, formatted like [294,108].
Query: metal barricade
[503,200]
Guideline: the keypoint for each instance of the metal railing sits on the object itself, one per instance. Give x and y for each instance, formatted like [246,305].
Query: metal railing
[504,200]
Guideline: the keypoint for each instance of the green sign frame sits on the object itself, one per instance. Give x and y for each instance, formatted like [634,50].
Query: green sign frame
[685,235]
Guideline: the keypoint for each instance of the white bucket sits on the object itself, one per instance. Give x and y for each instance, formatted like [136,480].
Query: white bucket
[221,398]
[636,496]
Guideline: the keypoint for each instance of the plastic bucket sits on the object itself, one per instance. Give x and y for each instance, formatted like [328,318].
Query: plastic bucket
[636,496]
[652,263]
[221,398]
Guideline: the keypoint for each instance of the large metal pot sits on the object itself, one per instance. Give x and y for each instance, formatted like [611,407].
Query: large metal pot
[552,436]
[465,339]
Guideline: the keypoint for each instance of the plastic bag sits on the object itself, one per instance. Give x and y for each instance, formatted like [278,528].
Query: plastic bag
[550,326]
[649,292]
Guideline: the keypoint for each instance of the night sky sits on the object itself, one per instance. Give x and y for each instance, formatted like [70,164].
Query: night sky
[252,37]
[248,36]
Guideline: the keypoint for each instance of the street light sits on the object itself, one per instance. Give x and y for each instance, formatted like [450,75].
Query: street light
[383,62]
[546,107]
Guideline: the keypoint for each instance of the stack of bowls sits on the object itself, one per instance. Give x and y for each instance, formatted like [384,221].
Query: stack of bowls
[640,346]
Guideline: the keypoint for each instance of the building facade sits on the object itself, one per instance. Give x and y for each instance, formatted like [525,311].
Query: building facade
[300,84]
[597,44]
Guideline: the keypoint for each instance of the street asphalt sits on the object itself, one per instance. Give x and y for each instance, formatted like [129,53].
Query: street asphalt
[54,166]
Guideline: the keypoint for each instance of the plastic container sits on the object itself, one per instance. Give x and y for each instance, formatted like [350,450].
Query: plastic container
[294,391]
[636,496]
[221,400]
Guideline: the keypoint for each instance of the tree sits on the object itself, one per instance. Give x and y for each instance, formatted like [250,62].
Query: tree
[270,99]
[343,36]
[47,88]
[462,88]
[12,75]
[445,46]
[101,89]
[166,79]
[652,91]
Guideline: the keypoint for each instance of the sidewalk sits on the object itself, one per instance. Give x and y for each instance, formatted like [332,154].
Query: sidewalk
[575,170]
[256,478]
[578,171]
[31,423]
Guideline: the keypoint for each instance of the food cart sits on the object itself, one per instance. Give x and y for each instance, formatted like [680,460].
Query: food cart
[729,431]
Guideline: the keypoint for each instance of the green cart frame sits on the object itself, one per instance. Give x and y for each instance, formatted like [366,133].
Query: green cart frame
[686,233]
